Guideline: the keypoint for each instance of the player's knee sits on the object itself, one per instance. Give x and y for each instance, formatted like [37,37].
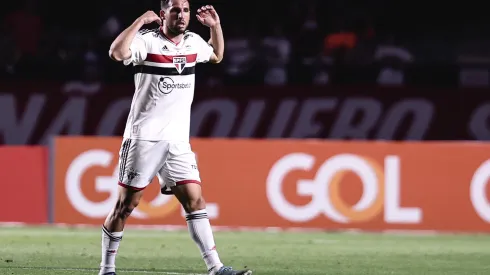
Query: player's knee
[124,208]
[194,204]
[125,211]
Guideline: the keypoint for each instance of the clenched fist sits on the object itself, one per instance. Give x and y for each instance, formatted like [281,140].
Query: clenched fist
[150,17]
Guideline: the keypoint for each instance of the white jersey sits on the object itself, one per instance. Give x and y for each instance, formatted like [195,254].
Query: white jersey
[164,85]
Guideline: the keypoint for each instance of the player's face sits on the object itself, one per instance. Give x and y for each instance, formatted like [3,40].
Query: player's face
[177,16]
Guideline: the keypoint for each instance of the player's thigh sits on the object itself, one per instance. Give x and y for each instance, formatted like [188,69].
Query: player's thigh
[182,177]
[139,162]
[180,168]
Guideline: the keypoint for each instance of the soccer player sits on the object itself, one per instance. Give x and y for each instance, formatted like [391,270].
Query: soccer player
[156,138]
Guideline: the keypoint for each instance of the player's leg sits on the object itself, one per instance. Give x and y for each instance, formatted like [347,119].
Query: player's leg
[182,176]
[188,192]
[139,161]
[113,228]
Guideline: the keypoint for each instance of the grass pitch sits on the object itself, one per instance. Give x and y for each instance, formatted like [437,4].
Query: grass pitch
[35,251]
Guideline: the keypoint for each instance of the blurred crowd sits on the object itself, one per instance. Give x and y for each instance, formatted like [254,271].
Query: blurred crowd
[325,42]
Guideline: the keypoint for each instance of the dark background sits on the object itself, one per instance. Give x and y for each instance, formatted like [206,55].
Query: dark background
[448,42]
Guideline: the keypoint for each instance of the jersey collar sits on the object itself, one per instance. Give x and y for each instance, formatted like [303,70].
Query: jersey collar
[170,40]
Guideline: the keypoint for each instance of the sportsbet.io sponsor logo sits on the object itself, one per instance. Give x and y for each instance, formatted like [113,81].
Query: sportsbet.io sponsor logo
[166,85]
[381,190]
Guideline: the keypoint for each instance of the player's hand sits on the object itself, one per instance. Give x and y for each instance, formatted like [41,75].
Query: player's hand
[208,16]
[150,17]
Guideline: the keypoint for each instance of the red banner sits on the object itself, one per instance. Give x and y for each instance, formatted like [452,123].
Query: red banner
[304,184]
[24,184]
[32,113]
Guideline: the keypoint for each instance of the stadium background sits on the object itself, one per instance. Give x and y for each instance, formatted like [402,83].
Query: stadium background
[325,115]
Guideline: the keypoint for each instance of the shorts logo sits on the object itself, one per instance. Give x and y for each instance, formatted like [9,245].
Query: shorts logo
[179,63]
[132,174]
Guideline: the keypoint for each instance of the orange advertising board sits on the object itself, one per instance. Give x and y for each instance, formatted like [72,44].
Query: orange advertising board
[295,183]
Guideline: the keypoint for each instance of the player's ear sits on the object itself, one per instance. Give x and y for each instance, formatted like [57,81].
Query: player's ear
[162,14]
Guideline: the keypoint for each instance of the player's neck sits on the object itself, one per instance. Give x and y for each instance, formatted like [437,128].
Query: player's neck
[175,38]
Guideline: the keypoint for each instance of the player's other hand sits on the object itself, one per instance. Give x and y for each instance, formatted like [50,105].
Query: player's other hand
[150,17]
[208,16]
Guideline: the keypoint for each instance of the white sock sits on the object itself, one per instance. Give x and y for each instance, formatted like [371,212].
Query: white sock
[110,245]
[202,234]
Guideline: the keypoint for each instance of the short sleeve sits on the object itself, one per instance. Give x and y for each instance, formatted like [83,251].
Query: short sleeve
[204,50]
[138,50]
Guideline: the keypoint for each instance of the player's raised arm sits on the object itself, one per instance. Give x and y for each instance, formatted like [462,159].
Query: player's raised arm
[120,48]
[208,16]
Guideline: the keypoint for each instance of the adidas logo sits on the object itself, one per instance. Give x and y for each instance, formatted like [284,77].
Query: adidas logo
[165,48]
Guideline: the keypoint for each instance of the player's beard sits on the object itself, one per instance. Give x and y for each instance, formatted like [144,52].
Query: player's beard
[176,31]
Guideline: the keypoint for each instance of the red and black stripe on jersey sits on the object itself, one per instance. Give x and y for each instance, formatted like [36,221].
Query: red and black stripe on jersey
[166,59]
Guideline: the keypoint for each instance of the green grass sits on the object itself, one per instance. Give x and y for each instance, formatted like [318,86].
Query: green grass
[76,251]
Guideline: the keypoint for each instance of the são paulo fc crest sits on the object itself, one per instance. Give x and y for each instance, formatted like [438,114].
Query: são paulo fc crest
[180,63]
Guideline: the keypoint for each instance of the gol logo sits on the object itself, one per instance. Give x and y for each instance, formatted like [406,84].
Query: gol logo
[381,190]
[158,208]
[479,182]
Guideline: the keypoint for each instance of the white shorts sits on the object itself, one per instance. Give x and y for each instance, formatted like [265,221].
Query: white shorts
[140,161]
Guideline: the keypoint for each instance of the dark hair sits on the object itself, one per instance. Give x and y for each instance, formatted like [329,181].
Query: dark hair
[164,4]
